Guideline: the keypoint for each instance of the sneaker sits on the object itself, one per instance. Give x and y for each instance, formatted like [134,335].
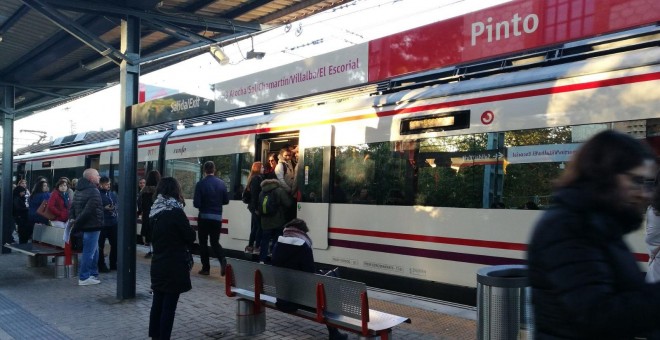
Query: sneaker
[90,281]
[203,272]
[256,251]
[249,250]
[148,255]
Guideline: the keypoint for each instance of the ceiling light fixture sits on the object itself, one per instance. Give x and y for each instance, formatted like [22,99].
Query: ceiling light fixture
[252,54]
[218,54]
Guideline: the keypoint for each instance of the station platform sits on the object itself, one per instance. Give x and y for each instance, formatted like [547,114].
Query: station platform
[36,305]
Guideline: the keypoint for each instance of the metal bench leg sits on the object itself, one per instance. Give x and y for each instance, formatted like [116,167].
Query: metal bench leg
[384,335]
[37,261]
[249,320]
[62,270]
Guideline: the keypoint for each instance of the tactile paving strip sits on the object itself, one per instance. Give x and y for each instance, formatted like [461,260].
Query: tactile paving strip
[21,324]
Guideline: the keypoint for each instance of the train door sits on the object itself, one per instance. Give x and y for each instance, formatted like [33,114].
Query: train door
[313,178]
[93,161]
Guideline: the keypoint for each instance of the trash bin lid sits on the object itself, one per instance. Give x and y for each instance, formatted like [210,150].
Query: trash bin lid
[506,276]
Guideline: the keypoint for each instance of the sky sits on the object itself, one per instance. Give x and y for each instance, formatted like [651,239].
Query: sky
[343,26]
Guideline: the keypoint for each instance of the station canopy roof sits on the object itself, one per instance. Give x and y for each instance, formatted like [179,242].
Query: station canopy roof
[55,51]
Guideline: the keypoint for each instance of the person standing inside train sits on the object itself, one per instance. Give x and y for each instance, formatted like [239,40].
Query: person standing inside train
[147,196]
[586,283]
[286,176]
[59,203]
[210,195]
[87,215]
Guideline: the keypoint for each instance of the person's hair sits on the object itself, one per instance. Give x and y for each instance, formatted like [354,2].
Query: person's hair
[298,224]
[254,171]
[596,165]
[169,187]
[209,168]
[104,179]
[38,187]
[153,178]
[60,182]
[65,178]
[283,150]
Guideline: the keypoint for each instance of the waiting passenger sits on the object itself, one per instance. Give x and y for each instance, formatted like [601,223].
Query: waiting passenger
[652,238]
[109,231]
[272,223]
[87,214]
[40,193]
[20,213]
[293,250]
[59,204]
[254,188]
[147,196]
[586,283]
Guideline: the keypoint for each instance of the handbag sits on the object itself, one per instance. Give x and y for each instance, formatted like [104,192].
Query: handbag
[43,211]
[246,196]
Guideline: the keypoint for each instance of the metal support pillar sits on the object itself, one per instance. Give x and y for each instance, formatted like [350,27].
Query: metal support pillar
[7,160]
[129,81]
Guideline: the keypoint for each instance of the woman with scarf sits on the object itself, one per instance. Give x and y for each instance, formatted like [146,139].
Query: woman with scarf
[293,250]
[171,238]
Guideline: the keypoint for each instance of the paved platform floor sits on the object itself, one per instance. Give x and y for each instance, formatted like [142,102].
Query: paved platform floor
[36,305]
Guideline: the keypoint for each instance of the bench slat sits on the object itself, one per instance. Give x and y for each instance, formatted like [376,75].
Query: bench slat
[33,249]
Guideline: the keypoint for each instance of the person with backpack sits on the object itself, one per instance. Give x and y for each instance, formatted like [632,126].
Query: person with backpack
[272,206]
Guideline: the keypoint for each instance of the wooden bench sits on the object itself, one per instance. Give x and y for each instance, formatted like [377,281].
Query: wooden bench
[48,241]
[333,301]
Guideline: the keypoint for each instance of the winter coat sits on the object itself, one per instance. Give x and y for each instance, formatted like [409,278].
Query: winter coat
[255,190]
[210,195]
[58,205]
[292,253]
[171,237]
[19,207]
[286,175]
[586,283]
[146,200]
[108,198]
[86,207]
[35,202]
[653,242]
[278,219]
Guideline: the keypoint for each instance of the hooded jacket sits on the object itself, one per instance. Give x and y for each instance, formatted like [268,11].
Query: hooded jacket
[86,207]
[278,219]
[586,283]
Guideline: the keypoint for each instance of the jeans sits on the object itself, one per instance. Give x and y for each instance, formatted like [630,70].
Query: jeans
[266,237]
[255,231]
[109,233]
[209,229]
[89,259]
[161,318]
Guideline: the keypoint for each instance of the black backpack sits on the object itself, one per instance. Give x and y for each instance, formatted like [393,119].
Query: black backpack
[246,196]
[268,203]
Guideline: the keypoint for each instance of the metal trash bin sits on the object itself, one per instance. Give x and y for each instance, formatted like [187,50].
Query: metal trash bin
[504,309]
[249,320]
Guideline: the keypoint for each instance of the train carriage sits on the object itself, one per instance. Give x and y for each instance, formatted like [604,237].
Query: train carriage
[404,189]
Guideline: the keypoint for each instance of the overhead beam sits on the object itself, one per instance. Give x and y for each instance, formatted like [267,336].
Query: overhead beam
[237,12]
[81,33]
[298,7]
[13,19]
[177,32]
[195,22]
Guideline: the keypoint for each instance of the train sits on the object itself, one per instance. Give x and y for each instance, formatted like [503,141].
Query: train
[414,187]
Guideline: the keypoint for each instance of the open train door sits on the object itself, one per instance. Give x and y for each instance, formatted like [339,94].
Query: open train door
[313,180]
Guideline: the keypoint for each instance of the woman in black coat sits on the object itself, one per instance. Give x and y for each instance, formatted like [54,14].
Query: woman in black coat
[586,283]
[147,196]
[172,237]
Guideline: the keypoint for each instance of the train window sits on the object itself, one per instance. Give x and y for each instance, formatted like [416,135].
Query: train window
[187,171]
[312,175]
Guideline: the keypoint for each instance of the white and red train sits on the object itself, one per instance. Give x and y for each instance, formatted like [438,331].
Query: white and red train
[397,187]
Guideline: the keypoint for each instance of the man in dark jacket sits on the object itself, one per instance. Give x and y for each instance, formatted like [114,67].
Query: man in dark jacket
[272,224]
[87,214]
[210,195]
[109,230]
[20,212]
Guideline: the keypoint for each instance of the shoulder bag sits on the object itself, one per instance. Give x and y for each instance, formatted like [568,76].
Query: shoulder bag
[43,211]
